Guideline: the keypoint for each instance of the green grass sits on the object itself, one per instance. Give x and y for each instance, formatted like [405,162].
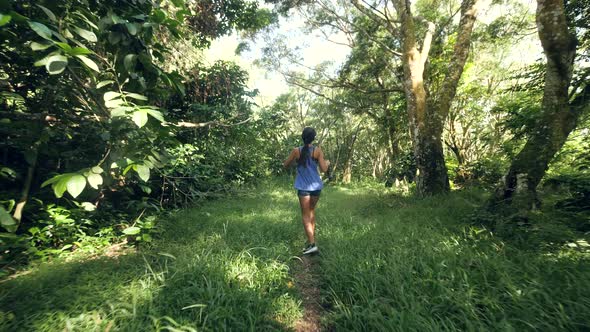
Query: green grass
[388,263]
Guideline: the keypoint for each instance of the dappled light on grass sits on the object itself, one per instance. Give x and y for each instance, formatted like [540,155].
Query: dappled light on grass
[387,262]
[418,267]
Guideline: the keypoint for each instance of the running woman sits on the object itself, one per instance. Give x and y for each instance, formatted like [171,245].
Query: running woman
[308,183]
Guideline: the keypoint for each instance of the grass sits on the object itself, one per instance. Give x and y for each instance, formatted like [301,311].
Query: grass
[388,262]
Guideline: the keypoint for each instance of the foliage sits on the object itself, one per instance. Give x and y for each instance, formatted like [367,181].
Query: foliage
[83,88]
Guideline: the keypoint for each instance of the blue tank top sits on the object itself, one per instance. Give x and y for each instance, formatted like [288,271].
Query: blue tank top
[308,177]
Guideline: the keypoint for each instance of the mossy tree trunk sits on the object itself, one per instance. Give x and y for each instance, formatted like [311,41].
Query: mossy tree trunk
[427,112]
[517,192]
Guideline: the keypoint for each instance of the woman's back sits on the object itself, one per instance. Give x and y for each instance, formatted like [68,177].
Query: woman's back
[308,178]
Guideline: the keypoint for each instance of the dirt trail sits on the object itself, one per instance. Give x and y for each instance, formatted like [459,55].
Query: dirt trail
[306,281]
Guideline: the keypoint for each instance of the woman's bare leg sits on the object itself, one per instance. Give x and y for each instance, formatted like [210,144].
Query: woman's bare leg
[306,216]
[312,204]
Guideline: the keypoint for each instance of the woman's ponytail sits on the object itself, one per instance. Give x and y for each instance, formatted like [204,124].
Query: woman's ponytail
[307,136]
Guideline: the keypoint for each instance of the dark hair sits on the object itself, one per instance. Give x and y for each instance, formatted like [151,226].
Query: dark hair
[308,135]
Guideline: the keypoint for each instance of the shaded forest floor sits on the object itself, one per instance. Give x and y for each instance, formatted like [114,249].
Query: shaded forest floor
[387,262]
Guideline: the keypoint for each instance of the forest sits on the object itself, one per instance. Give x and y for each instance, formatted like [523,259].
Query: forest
[142,185]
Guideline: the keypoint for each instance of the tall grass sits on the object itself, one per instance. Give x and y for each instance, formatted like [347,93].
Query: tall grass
[401,264]
[387,262]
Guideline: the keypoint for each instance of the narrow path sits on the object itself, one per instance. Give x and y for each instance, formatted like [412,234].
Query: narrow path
[306,280]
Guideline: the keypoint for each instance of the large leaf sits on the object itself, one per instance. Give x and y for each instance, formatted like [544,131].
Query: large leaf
[88,35]
[110,95]
[129,61]
[114,103]
[132,230]
[49,13]
[39,47]
[156,114]
[76,184]
[97,170]
[140,117]
[94,180]
[80,51]
[64,46]
[56,64]
[40,29]
[89,63]
[132,28]
[104,83]
[143,171]
[136,96]
[52,180]
[4,19]
[59,188]
[7,221]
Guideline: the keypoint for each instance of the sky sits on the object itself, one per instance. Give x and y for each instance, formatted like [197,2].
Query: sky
[316,49]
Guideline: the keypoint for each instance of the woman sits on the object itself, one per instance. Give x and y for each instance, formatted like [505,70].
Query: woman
[308,182]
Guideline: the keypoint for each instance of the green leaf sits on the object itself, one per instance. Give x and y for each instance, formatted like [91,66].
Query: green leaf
[89,63]
[146,237]
[128,168]
[110,95]
[41,62]
[16,17]
[114,103]
[145,189]
[143,171]
[140,117]
[117,20]
[156,114]
[136,96]
[159,16]
[66,247]
[49,13]
[97,170]
[104,83]
[132,230]
[67,34]
[11,204]
[80,51]
[120,111]
[88,35]
[87,206]
[56,64]
[94,180]
[82,16]
[129,61]
[59,188]
[39,47]
[7,221]
[132,28]
[178,3]
[52,180]
[76,184]
[40,29]
[64,46]
[4,19]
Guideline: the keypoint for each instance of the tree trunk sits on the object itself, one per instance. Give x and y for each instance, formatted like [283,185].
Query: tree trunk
[427,113]
[347,175]
[20,206]
[558,117]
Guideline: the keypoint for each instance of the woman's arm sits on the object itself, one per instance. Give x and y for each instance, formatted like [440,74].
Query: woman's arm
[292,157]
[324,164]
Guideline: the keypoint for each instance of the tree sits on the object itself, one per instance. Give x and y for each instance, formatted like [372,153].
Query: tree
[427,110]
[560,109]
